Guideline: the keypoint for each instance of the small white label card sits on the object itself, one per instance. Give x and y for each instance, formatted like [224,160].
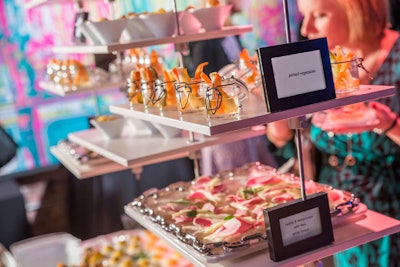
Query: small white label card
[302,71]
[300,226]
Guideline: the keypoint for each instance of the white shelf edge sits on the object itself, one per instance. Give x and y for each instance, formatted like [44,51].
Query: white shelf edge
[164,149]
[198,122]
[65,91]
[85,170]
[37,3]
[362,229]
[104,49]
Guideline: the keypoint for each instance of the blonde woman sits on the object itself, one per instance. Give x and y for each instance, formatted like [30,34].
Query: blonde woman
[364,160]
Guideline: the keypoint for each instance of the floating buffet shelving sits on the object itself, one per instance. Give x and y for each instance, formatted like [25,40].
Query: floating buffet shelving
[177,39]
[254,113]
[131,152]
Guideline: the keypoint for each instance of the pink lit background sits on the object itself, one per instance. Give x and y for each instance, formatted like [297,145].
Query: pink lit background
[37,119]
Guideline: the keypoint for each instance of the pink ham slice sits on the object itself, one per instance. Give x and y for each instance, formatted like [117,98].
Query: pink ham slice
[182,219]
[252,201]
[262,180]
[282,198]
[201,195]
[202,222]
[220,188]
[201,182]
[196,195]
[209,206]
[232,227]
[234,198]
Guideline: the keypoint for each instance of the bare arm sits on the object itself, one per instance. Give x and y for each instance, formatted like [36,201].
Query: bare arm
[279,133]
[389,121]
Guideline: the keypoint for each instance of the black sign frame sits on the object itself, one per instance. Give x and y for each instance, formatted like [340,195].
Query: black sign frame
[265,56]
[272,216]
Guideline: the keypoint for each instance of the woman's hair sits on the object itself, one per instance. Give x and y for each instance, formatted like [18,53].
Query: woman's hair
[367,18]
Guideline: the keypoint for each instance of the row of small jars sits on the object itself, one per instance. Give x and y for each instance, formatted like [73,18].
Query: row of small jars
[195,96]
[67,72]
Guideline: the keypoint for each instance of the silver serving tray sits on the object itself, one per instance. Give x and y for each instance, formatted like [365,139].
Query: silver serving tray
[144,210]
[79,153]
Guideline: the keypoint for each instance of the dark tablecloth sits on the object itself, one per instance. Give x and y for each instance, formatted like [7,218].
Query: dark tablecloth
[13,221]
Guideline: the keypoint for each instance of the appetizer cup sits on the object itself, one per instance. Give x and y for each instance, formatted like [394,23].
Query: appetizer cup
[153,95]
[134,93]
[166,94]
[345,75]
[225,101]
[189,96]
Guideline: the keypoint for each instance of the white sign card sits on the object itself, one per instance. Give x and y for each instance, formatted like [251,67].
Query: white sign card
[303,71]
[300,226]
[296,74]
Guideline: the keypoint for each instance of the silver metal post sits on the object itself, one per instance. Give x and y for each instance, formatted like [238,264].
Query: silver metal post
[300,122]
[297,124]
[287,22]
[195,155]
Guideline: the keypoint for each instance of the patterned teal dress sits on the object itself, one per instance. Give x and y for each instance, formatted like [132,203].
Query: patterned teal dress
[374,178]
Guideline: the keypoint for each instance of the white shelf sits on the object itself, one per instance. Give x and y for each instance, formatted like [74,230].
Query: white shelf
[254,112]
[361,229]
[347,235]
[37,3]
[85,170]
[105,49]
[137,151]
[65,90]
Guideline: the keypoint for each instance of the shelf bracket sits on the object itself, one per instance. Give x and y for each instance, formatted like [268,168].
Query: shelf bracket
[137,171]
[195,155]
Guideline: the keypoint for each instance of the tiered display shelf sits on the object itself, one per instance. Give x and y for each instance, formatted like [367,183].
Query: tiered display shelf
[134,151]
[254,113]
[66,91]
[38,3]
[118,47]
[362,228]
[87,169]
[184,38]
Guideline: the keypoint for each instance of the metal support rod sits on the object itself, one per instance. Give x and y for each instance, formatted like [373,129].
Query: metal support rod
[111,4]
[195,156]
[192,137]
[196,162]
[297,124]
[96,103]
[301,163]
[181,48]
[300,122]
[287,22]
[78,6]
[119,62]
[175,9]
